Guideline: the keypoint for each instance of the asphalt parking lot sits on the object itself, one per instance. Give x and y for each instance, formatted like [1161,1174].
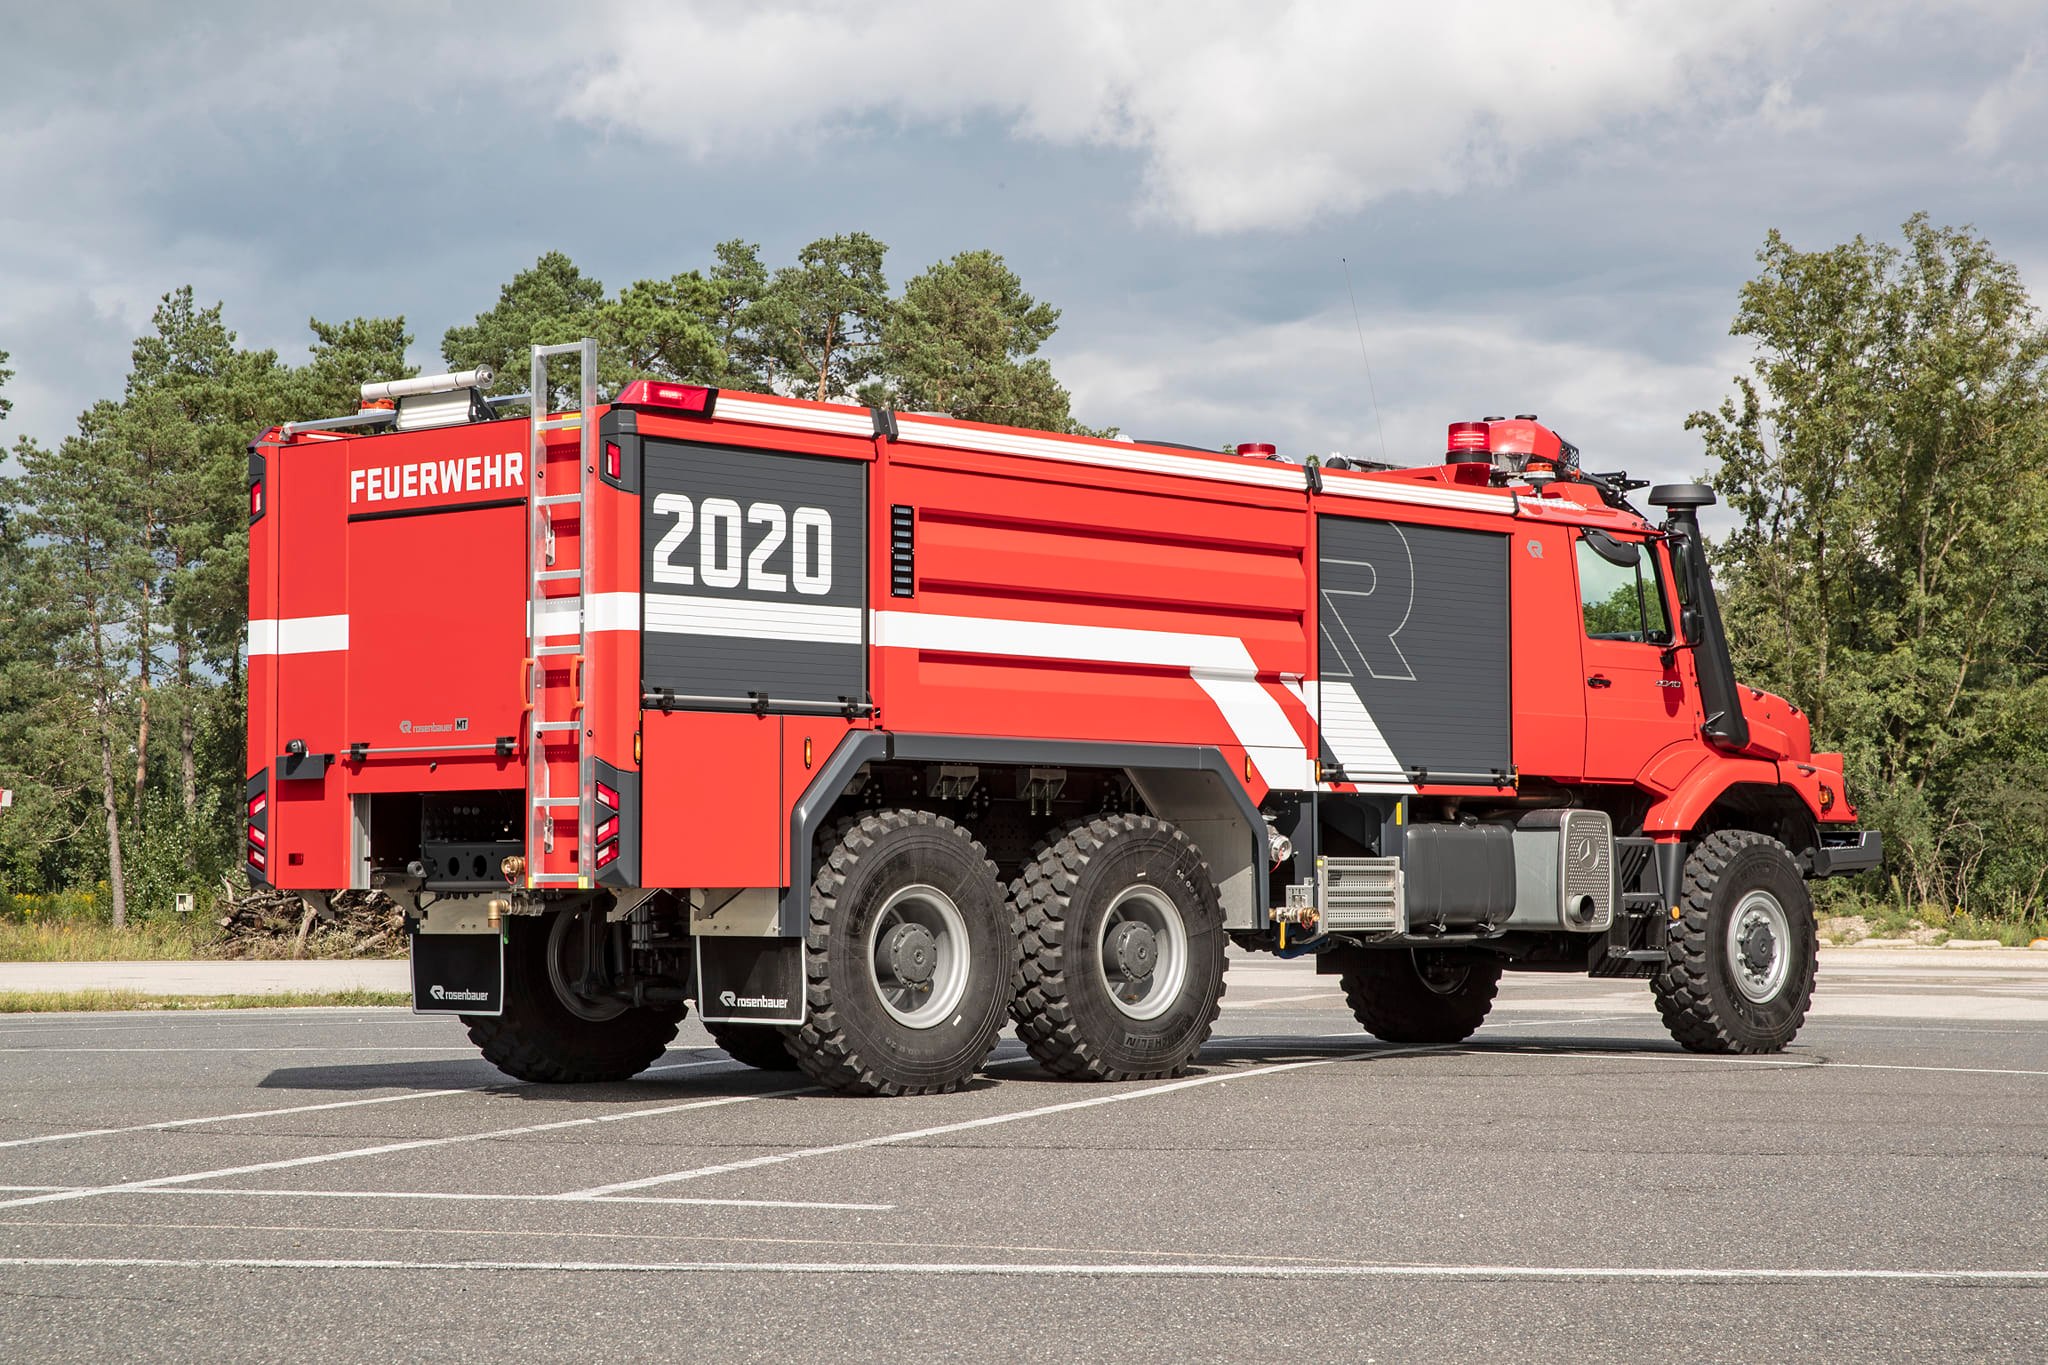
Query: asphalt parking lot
[324,1185]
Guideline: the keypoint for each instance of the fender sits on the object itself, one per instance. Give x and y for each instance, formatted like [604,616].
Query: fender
[1687,804]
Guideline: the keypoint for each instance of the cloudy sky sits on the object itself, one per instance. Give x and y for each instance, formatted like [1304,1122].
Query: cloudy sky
[1544,207]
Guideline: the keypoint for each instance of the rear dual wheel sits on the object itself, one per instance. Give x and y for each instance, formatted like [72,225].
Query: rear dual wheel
[910,958]
[553,1029]
[1123,950]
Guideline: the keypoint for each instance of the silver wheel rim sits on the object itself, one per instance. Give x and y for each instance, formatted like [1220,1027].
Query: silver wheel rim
[1759,947]
[1142,929]
[565,966]
[917,956]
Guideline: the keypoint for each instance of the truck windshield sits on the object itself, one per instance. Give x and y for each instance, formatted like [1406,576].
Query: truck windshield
[1619,593]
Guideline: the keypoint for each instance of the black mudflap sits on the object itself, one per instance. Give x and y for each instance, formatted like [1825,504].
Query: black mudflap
[458,974]
[750,980]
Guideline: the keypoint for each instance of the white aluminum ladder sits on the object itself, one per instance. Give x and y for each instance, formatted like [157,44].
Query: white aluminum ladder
[555,715]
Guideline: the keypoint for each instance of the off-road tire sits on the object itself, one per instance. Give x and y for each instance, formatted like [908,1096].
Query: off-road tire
[1065,1013]
[537,1038]
[850,1042]
[761,1046]
[1695,988]
[1387,993]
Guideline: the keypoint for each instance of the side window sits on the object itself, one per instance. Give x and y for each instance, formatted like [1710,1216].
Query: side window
[1619,592]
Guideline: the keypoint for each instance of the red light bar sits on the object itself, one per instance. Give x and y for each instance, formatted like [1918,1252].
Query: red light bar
[606,797]
[653,393]
[1470,436]
[1257,450]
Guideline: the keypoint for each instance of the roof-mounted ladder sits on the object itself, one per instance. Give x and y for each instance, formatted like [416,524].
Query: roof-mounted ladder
[557,675]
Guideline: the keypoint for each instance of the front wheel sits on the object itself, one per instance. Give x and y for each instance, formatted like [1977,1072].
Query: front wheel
[551,1030]
[1427,995]
[1743,953]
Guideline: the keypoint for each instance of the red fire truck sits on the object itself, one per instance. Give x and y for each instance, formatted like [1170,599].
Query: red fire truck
[864,732]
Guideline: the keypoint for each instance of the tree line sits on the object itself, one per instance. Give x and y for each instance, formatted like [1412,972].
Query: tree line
[1883,459]
[124,548]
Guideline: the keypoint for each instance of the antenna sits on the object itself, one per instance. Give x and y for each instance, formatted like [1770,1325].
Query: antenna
[1359,322]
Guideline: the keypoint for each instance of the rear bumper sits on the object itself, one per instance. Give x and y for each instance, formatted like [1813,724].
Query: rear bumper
[1842,852]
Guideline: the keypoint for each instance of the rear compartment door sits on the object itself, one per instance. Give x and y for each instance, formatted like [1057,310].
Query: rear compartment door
[755,589]
[1413,661]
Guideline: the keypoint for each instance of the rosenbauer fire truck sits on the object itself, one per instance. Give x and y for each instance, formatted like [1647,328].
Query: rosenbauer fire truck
[864,732]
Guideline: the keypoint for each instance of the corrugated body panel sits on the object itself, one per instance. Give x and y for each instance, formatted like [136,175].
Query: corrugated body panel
[755,573]
[1414,663]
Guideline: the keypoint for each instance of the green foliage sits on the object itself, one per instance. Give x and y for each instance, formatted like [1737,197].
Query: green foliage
[6,403]
[964,341]
[1889,571]
[821,320]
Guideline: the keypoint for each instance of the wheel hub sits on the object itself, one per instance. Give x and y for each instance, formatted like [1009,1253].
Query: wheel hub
[1758,947]
[1131,951]
[910,953]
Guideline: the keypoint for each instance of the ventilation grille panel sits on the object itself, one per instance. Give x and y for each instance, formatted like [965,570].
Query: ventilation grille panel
[1362,894]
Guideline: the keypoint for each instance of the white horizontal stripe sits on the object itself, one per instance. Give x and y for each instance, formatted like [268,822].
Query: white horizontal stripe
[298,635]
[1234,1270]
[748,618]
[1421,495]
[1261,473]
[1220,664]
[850,422]
[1354,738]
[608,611]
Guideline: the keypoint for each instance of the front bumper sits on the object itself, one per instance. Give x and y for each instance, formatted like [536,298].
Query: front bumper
[1842,852]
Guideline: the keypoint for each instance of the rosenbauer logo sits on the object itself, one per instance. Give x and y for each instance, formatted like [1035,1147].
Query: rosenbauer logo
[733,1000]
[448,993]
[437,478]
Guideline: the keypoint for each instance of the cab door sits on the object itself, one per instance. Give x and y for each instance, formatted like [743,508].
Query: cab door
[1638,700]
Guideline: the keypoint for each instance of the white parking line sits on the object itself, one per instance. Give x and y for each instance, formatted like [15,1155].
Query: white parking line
[311,1108]
[1083,1270]
[968,1125]
[1282,1000]
[429,1196]
[1781,1063]
[383,1149]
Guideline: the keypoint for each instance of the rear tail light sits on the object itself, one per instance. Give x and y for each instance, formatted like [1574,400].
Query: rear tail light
[256,859]
[611,459]
[606,797]
[653,393]
[258,837]
[257,804]
[608,831]
[607,855]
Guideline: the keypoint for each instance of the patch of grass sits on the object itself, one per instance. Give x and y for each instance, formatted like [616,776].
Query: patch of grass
[69,1002]
[90,940]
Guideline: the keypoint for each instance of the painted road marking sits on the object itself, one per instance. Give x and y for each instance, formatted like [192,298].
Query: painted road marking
[384,1149]
[437,1195]
[969,1125]
[506,1087]
[1080,1270]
